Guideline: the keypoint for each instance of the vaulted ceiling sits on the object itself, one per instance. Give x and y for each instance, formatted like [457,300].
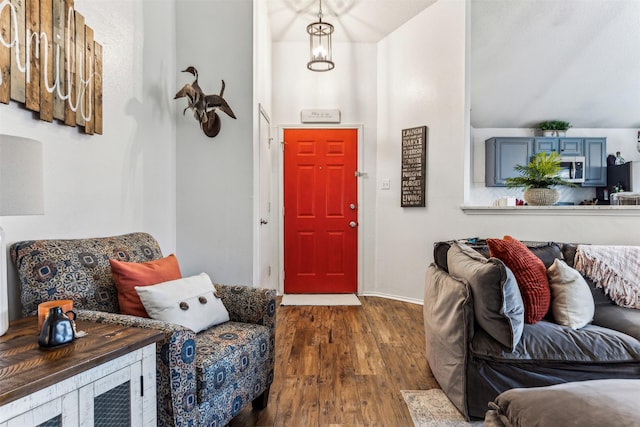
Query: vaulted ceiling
[531,60]
[573,60]
[355,21]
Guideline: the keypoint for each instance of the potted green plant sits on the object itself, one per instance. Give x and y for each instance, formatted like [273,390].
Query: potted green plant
[553,127]
[538,177]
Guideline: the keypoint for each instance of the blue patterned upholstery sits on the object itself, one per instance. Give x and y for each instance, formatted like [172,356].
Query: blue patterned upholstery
[202,379]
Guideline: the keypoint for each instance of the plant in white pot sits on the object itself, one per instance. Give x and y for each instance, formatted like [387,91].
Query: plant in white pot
[538,177]
[553,127]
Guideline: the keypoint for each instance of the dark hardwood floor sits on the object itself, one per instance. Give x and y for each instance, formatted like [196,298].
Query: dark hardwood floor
[345,366]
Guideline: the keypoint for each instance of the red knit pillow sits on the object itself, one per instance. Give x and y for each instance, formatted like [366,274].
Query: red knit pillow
[530,274]
[128,275]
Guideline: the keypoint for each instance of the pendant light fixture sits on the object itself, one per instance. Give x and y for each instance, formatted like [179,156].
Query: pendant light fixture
[320,44]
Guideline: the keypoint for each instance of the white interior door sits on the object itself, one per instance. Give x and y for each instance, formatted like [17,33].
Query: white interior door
[268,239]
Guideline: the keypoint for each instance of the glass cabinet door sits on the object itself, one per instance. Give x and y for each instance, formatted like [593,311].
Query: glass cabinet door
[113,400]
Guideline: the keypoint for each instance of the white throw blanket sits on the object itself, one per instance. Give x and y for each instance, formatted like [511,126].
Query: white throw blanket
[614,268]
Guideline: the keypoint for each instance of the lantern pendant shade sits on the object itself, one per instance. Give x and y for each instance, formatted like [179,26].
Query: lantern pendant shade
[320,48]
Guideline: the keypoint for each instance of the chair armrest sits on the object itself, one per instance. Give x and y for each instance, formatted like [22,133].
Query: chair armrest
[175,364]
[249,305]
[126,320]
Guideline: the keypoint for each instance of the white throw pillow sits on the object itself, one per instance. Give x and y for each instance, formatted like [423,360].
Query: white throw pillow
[571,300]
[190,302]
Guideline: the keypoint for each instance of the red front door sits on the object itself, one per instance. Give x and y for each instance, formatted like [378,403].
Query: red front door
[320,211]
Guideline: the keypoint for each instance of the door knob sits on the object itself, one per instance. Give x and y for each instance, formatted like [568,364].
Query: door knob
[263,221]
[352,224]
[352,207]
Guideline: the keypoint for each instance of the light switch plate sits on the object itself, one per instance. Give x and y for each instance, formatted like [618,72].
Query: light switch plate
[386,184]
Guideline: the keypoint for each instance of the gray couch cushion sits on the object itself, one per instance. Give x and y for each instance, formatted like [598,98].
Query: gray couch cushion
[549,342]
[584,403]
[548,252]
[448,327]
[497,303]
[626,320]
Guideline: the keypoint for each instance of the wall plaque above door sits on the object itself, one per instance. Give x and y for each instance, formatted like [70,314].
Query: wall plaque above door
[320,116]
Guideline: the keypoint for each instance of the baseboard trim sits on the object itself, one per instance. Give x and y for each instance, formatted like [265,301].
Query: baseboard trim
[382,295]
[393,297]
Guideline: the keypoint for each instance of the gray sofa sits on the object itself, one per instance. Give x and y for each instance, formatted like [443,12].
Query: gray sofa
[473,368]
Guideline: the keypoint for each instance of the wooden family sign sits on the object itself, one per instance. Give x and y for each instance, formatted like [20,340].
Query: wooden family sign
[414,167]
[50,62]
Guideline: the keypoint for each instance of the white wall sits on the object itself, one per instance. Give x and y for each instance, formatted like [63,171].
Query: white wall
[215,176]
[123,180]
[265,183]
[350,87]
[421,81]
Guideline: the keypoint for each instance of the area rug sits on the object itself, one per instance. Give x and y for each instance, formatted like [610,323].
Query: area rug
[320,299]
[432,408]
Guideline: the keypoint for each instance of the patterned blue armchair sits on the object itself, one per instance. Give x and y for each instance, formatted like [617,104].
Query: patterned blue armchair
[203,378]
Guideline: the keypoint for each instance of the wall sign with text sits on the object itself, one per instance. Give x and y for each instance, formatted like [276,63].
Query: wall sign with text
[50,62]
[414,167]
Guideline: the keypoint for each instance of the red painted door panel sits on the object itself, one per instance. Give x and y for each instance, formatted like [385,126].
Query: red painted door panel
[320,211]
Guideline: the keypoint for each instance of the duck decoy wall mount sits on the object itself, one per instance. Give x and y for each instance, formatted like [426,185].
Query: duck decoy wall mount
[204,106]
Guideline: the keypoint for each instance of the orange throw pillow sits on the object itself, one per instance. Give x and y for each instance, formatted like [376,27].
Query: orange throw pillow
[530,274]
[128,275]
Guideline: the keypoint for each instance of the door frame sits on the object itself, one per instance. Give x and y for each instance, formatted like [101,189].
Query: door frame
[361,223]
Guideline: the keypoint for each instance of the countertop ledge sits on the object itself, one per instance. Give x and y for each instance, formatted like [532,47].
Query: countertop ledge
[620,210]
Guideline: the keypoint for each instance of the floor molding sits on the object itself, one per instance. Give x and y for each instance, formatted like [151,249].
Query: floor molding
[320,299]
[393,297]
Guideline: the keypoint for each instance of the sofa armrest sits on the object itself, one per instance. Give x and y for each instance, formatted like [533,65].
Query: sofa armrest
[249,305]
[175,364]
[448,327]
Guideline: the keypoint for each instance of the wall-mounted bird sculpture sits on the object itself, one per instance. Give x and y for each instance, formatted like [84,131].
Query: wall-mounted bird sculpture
[204,106]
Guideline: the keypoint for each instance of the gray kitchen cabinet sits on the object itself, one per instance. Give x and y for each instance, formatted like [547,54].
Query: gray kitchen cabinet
[501,155]
[545,144]
[563,146]
[595,152]
[571,146]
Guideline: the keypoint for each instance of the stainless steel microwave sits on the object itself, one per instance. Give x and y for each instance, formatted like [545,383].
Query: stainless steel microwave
[572,168]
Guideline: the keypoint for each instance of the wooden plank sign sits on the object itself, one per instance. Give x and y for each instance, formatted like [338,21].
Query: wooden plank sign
[18,63]
[97,88]
[50,62]
[46,74]
[58,66]
[414,167]
[79,104]
[5,55]
[70,65]
[32,50]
